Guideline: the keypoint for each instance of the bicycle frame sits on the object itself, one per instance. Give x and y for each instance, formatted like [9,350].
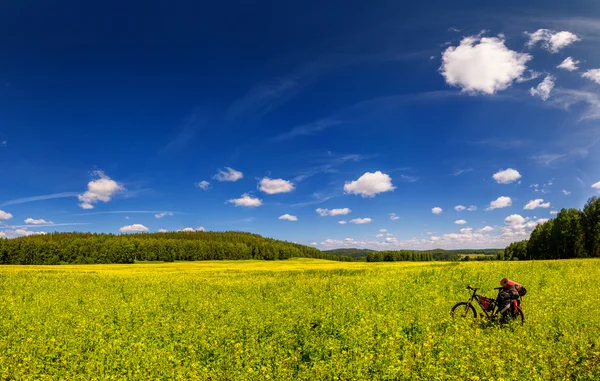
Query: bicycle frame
[515,303]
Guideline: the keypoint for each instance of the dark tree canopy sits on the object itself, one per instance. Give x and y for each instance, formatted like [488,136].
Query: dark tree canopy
[572,234]
[176,246]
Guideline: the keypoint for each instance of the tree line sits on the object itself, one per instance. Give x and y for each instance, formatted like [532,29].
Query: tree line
[88,248]
[573,233]
[399,255]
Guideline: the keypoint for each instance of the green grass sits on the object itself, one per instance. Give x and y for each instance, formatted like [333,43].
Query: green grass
[297,319]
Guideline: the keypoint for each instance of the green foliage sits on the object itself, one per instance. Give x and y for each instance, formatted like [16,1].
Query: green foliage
[572,234]
[300,319]
[399,256]
[87,248]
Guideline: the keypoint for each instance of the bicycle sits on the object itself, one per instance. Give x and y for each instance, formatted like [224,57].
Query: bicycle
[489,308]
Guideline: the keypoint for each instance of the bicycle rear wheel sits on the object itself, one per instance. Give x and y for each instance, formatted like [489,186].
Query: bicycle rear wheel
[463,310]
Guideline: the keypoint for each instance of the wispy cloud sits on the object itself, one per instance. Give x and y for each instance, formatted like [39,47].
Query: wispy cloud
[51,225]
[187,132]
[459,172]
[307,129]
[39,198]
[270,94]
[331,162]
[166,212]
[568,98]
[499,143]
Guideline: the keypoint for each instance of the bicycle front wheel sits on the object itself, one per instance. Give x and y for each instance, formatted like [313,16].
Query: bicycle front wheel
[463,310]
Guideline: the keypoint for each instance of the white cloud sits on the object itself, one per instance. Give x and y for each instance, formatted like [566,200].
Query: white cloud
[288,217]
[101,189]
[163,231]
[5,215]
[361,221]
[333,212]
[537,203]
[19,233]
[370,184]
[551,40]
[507,176]
[565,192]
[391,240]
[466,230]
[313,244]
[246,200]
[569,64]
[383,230]
[500,202]
[273,186]
[189,230]
[472,208]
[135,228]
[342,222]
[544,89]
[592,74]
[596,186]
[163,214]
[436,210]
[486,229]
[31,221]
[482,65]
[460,222]
[379,235]
[204,185]
[460,208]
[554,212]
[229,174]
[394,217]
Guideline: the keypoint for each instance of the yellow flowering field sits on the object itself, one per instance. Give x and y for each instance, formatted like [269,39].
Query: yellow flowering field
[297,319]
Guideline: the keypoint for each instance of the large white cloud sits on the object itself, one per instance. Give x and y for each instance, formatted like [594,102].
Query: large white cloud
[544,88]
[41,221]
[5,215]
[500,202]
[596,186]
[101,189]
[229,174]
[135,228]
[273,186]
[333,212]
[246,200]
[507,176]
[551,40]
[370,184]
[288,217]
[482,65]
[537,203]
[361,221]
[592,74]
[436,210]
[460,222]
[569,64]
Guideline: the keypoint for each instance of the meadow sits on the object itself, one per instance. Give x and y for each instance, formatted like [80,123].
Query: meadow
[304,319]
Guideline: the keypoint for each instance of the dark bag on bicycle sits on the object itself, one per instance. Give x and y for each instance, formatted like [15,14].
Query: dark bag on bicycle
[522,291]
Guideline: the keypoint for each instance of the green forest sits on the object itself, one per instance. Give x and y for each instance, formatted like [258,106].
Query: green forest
[573,233]
[88,248]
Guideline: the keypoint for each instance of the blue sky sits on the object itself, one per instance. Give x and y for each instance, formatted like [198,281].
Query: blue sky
[285,119]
